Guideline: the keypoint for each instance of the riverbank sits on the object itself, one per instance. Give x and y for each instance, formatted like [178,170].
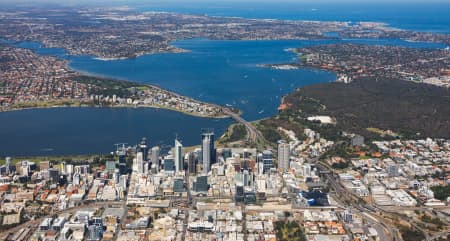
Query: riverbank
[84,105]
[171,50]
[28,75]
[58,158]
[91,130]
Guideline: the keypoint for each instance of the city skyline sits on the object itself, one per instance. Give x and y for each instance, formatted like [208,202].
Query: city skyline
[229,120]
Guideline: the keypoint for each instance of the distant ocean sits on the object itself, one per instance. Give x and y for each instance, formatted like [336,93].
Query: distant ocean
[425,16]
[223,72]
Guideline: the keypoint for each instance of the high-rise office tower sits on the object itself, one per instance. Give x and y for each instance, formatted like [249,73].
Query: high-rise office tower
[8,165]
[178,185]
[208,150]
[169,165]
[283,155]
[155,155]
[259,164]
[139,168]
[192,163]
[178,156]
[143,148]
[201,184]
[267,160]
[206,159]
[122,161]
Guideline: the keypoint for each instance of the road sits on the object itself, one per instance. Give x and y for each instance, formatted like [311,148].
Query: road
[36,222]
[386,232]
[189,203]
[372,209]
[253,134]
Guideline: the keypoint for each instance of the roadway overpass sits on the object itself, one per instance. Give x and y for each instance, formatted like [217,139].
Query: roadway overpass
[253,134]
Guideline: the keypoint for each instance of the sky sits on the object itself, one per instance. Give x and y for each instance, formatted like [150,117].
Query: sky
[125,2]
[135,4]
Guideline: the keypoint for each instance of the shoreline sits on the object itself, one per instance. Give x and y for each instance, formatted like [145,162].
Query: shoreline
[80,103]
[174,50]
[58,156]
[89,74]
[116,106]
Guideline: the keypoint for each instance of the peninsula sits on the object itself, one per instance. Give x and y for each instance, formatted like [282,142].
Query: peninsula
[116,33]
[379,89]
[29,80]
[363,158]
[355,61]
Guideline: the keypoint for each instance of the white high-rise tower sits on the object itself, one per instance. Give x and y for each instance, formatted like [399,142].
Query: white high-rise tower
[178,156]
[283,155]
[206,155]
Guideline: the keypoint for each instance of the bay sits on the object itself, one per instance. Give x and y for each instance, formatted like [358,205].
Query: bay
[227,72]
[85,130]
[222,72]
[426,16]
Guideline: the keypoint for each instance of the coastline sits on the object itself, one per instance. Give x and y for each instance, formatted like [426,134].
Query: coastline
[58,103]
[173,50]
[89,74]
[115,106]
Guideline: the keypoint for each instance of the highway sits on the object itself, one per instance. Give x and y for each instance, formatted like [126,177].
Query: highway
[385,231]
[34,223]
[374,210]
[253,134]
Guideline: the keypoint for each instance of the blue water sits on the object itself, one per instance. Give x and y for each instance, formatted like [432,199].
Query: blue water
[417,15]
[429,16]
[223,72]
[60,131]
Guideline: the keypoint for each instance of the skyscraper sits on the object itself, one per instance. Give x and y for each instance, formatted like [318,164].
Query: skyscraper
[155,155]
[192,165]
[155,158]
[143,148]
[283,155]
[260,164]
[267,160]
[122,162]
[8,165]
[139,163]
[169,165]
[178,158]
[208,150]
[178,185]
[201,184]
